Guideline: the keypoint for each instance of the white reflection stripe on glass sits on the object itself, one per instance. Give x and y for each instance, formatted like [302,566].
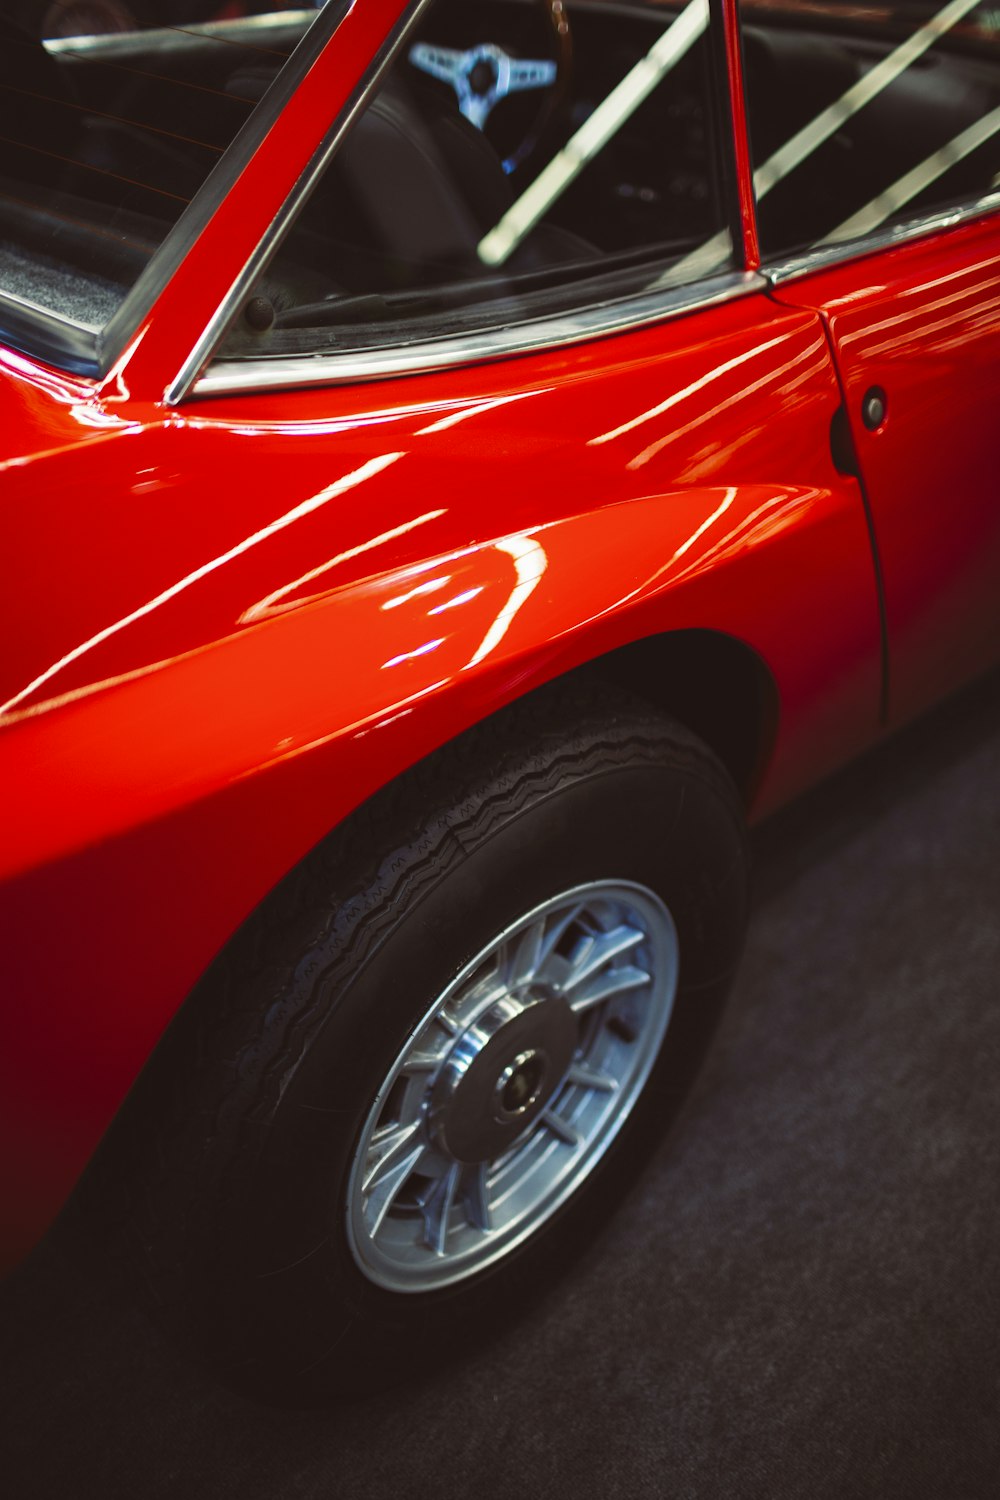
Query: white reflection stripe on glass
[607,119]
[713,252]
[829,120]
[913,182]
[701,262]
[191,36]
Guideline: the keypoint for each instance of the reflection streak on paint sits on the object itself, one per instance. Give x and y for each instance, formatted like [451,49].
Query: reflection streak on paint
[268,607]
[782,506]
[428,646]
[896,325]
[784,503]
[958,332]
[464,598]
[414,570]
[305,508]
[807,357]
[430,587]
[471,409]
[530,562]
[311,427]
[709,522]
[923,306]
[689,390]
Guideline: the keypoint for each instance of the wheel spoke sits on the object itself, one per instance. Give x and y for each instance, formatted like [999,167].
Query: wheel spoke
[386,1152]
[592,953]
[556,930]
[436,1209]
[484,993]
[561,1128]
[476,1198]
[391,1161]
[603,986]
[525,960]
[410,1110]
[590,1078]
[426,1060]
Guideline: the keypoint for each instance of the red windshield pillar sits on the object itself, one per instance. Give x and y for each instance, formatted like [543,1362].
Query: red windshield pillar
[741,145]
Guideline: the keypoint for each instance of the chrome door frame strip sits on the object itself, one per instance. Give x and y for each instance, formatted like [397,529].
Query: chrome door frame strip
[901,234]
[243,376]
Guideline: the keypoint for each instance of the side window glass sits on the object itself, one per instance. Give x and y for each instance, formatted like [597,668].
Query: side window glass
[863,117]
[520,159]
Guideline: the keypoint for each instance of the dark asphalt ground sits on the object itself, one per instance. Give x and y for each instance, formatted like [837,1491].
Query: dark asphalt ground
[800,1299]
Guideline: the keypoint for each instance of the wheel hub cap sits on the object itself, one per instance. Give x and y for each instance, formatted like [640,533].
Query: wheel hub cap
[501,1073]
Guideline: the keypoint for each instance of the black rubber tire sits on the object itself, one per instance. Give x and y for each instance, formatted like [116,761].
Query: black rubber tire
[285,1042]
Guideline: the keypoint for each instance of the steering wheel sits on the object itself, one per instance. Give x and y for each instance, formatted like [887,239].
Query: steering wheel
[483,75]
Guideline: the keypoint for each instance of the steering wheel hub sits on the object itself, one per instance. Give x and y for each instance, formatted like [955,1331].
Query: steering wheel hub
[482,77]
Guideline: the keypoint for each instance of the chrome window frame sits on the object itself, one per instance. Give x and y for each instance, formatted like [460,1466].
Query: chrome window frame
[201,377]
[779,271]
[83,349]
[240,376]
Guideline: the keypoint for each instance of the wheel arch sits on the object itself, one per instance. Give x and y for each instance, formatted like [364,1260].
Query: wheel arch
[712,683]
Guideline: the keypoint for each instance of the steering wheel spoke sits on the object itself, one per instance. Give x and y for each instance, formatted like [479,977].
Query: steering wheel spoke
[482,76]
[530,73]
[444,63]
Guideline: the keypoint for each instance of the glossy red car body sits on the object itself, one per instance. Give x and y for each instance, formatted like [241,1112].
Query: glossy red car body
[218,618]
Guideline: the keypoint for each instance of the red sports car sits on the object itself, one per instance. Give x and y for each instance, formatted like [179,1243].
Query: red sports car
[460,460]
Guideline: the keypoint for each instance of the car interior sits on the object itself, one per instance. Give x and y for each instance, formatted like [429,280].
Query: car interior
[108,137]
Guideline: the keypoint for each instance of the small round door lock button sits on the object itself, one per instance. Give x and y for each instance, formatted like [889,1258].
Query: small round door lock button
[873,408]
[259,313]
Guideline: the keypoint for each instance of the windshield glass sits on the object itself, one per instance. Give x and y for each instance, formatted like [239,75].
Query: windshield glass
[113,113]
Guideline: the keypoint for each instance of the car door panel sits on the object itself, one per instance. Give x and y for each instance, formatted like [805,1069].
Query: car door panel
[921,322]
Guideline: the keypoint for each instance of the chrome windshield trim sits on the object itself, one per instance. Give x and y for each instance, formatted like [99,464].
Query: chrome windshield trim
[240,376]
[50,335]
[235,159]
[57,320]
[871,244]
[188,375]
[121,43]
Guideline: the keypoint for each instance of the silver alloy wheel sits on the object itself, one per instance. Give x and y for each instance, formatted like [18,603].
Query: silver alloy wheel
[512,1086]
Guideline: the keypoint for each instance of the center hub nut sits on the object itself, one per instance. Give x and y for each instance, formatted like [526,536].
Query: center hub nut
[519,1085]
[501,1073]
